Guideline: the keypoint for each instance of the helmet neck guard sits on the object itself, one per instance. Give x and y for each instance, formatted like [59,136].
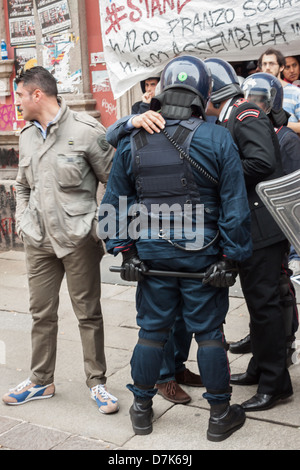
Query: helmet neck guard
[178,103]
[228,91]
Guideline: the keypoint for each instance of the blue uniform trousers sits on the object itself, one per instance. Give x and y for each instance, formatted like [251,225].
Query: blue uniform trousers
[176,350]
[159,300]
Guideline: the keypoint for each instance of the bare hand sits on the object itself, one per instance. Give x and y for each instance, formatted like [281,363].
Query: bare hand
[147,97]
[151,121]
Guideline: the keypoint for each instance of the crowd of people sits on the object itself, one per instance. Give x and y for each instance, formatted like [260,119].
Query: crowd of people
[200,137]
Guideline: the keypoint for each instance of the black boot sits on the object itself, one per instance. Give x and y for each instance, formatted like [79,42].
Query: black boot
[141,416]
[224,420]
[243,346]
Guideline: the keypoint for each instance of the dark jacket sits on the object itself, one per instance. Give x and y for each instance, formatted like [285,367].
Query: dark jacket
[259,151]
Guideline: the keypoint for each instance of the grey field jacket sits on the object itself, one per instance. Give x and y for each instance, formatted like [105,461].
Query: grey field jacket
[58,178]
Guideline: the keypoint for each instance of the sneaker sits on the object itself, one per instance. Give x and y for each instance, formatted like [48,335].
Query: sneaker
[294,265]
[106,402]
[171,391]
[186,377]
[28,391]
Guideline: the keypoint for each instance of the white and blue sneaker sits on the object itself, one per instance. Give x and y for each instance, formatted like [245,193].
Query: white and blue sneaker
[27,391]
[106,402]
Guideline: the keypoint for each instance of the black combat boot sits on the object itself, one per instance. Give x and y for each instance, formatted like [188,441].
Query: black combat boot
[224,420]
[141,416]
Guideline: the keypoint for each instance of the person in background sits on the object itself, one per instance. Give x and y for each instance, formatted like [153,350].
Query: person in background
[291,71]
[272,61]
[148,87]
[63,156]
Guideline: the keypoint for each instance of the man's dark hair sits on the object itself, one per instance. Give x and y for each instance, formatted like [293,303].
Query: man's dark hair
[38,77]
[280,57]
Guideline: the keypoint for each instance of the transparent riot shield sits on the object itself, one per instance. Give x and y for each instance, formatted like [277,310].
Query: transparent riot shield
[281,196]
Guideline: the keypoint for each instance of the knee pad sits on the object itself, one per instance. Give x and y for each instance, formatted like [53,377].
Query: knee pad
[213,366]
[147,357]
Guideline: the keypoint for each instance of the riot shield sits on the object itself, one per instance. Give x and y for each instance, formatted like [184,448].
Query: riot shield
[281,197]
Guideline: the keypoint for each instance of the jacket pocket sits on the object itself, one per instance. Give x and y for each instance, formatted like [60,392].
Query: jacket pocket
[78,218]
[32,227]
[70,169]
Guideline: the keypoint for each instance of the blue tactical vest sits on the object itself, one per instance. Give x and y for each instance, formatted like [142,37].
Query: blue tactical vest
[162,175]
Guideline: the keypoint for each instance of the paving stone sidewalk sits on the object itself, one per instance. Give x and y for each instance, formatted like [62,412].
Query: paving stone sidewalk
[70,420]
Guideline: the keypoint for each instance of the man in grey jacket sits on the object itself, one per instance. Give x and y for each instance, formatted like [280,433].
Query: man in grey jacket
[63,156]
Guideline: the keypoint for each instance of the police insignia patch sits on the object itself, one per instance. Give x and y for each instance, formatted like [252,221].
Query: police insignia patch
[248,113]
[102,142]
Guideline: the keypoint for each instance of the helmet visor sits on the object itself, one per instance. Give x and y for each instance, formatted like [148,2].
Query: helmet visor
[263,100]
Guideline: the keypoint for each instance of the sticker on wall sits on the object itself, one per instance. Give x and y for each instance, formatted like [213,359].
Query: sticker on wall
[100,81]
[56,59]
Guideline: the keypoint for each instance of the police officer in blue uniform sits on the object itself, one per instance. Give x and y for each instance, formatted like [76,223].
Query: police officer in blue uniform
[173,370]
[259,151]
[194,165]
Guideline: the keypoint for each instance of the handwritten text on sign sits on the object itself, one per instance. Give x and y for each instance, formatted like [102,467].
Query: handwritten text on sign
[141,36]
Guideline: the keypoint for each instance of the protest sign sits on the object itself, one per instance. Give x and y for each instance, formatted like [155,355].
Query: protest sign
[141,36]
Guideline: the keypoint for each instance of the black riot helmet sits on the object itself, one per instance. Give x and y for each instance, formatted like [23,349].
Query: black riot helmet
[225,82]
[265,90]
[185,88]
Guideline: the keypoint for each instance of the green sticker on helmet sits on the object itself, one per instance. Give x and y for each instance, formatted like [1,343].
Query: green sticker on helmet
[182,76]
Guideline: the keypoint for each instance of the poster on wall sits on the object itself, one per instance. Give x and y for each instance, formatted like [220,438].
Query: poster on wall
[54,16]
[17,8]
[25,58]
[21,22]
[100,81]
[140,37]
[56,59]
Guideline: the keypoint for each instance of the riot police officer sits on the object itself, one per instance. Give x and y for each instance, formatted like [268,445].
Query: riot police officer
[193,164]
[266,91]
[260,275]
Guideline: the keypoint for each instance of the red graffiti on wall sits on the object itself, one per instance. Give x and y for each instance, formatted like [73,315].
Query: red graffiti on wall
[8,236]
[7,114]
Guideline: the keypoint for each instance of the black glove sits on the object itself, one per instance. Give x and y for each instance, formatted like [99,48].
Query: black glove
[221,274]
[132,267]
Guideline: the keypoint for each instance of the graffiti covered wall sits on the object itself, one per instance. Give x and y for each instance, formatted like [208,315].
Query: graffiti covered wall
[8,236]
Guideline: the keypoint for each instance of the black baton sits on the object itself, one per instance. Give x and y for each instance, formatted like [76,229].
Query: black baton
[153,272]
